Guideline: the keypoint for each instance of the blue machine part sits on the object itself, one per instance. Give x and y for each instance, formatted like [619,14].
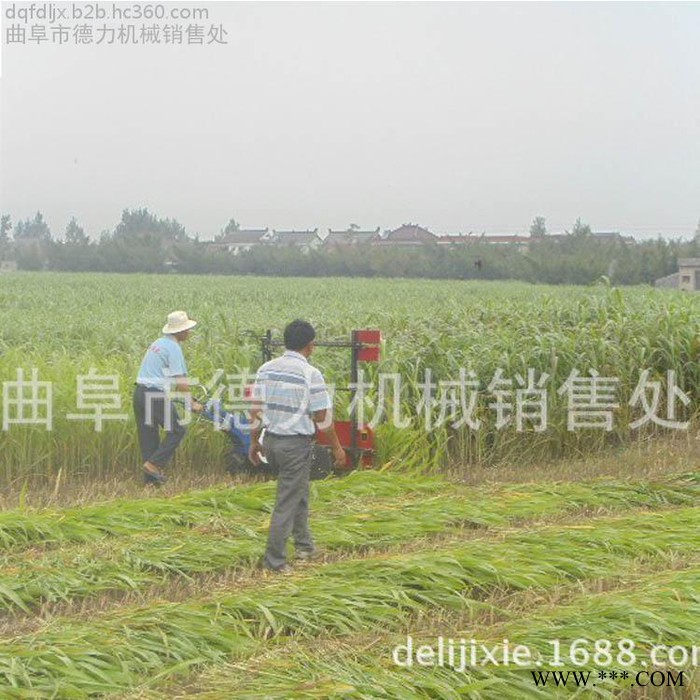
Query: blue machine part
[236,425]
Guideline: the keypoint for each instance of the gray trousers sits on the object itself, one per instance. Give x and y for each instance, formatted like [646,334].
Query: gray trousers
[292,456]
[163,415]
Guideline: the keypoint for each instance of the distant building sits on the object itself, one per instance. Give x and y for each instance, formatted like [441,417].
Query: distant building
[453,240]
[521,242]
[668,282]
[349,238]
[606,235]
[611,237]
[304,240]
[408,235]
[240,241]
[8,266]
[689,274]
[687,279]
[550,237]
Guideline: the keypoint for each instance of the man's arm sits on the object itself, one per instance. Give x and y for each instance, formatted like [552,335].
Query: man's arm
[177,369]
[326,426]
[256,449]
[322,415]
[182,386]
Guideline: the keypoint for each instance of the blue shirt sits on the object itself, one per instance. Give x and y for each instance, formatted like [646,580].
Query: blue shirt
[163,361]
[290,390]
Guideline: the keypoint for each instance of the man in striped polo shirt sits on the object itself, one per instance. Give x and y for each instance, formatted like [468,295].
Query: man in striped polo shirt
[294,401]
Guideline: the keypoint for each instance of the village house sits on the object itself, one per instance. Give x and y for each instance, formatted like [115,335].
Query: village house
[304,240]
[351,237]
[407,235]
[687,279]
[455,239]
[612,237]
[521,242]
[240,241]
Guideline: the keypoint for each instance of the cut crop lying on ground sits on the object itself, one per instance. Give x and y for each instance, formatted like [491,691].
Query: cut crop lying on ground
[21,528]
[51,527]
[117,650]
[342,525]
[659,609]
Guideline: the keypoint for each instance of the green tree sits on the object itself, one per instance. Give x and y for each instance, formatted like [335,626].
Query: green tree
[580,229]
[142,226]
[231,227]
[5,228]
[35,229]
[538,228]
[75,234]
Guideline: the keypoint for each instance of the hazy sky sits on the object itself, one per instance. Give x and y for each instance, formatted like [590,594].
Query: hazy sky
[458,116]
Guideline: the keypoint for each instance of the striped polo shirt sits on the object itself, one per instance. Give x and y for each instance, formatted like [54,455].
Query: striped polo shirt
[290,390]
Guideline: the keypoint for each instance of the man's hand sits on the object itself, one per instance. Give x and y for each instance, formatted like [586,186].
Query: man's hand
[324,422]
[197,407]
[255,452]
[339,457]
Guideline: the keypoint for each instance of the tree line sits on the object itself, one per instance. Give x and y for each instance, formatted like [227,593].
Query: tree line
[142,242]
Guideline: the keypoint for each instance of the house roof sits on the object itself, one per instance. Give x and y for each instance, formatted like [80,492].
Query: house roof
[612,236]
[354,232]
[294,237]
[688,262]
[350,236]
[459,238]
[606,234]
[505,238]
[243,237]
[483,238]
[410,233]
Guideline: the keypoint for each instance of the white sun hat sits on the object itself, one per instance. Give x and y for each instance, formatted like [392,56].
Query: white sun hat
[177,323]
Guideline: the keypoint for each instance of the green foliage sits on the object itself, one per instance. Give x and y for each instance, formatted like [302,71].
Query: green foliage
[580,230]
[440,325]
[143,242]
[5,229]
[35,229]
[141,226]
[662,606]
[538,228]
[231,227]
[113,652]
[75,234]
[131,545]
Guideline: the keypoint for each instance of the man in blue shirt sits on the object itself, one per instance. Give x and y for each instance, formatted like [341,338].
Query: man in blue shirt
[293,402]
[163,369]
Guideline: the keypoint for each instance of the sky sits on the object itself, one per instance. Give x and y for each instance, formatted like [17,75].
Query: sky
[457,116]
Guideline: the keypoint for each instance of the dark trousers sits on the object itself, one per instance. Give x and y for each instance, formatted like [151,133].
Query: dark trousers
[149,425]
[292,456]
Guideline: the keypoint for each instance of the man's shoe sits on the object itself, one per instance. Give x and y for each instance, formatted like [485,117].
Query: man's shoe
[303,555]
[283,570]
[153,476]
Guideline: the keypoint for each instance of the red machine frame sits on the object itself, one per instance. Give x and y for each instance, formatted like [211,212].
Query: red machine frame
[365,346]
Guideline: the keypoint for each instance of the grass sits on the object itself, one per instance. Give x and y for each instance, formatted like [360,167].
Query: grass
[74,659]
[655,608]
[107,591]
[442,326]
[223,537]
[45,528]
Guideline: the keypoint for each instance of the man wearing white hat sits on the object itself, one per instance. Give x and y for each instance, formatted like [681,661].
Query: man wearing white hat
[163,369]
